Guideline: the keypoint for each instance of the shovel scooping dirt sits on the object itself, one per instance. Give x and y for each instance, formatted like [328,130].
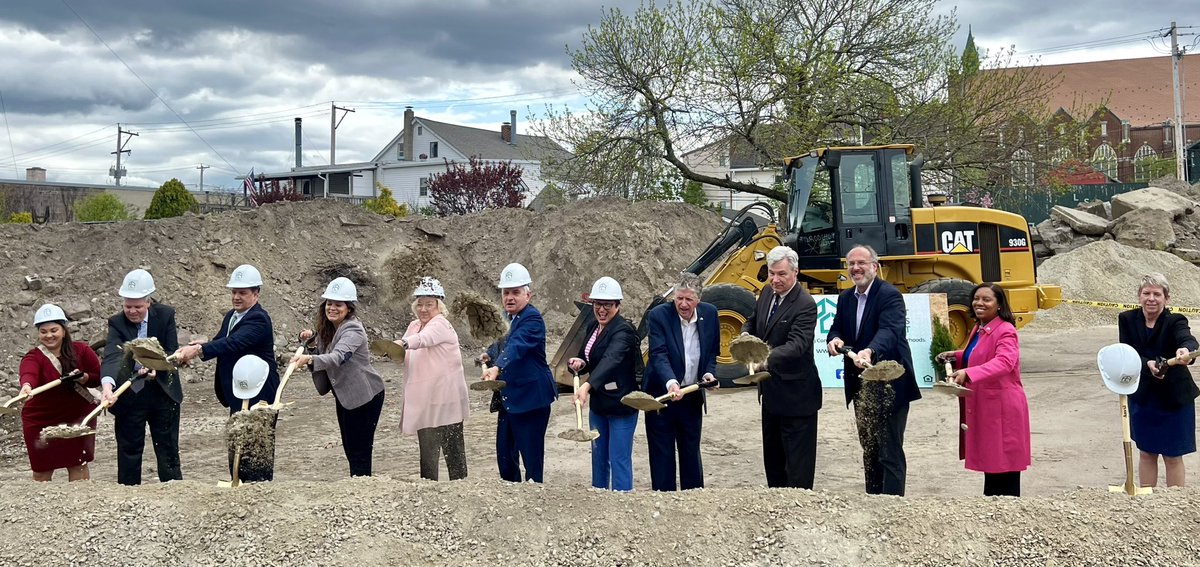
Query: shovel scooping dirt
[645,402]
[70,431]
[949,387]
[579,433]
[249,429]
[149,353]
[753,352]
[882,371]
[9,409]
[390,349]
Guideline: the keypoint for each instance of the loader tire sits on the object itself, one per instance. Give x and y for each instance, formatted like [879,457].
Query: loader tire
[958,299]
[735,305]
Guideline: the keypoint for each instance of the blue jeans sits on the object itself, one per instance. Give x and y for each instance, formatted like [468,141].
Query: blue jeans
[612,453]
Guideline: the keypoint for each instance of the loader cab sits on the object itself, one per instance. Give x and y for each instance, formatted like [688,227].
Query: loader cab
[844,197]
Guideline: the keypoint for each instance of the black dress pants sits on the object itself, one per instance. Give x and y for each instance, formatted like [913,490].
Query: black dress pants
[358,433]
[1002,484]
[150,406]
[447,440]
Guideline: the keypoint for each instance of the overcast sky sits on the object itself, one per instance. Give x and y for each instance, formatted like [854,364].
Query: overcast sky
[239,72]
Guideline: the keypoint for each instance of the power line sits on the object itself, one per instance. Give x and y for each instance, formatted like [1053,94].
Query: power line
[143,81]
[255,115]
[11,147]
[1106,42]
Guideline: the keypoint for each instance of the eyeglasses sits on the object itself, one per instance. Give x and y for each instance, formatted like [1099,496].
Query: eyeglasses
[605,304]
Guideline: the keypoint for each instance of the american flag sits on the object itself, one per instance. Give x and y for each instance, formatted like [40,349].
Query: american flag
[248,188]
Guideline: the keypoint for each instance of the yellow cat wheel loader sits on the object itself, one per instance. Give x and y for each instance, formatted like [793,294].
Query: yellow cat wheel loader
[842,197]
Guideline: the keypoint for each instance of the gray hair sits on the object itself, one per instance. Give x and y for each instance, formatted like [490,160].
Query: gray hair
[781,253]
[1155,279]
[688,280]
[441,306]
[870,251]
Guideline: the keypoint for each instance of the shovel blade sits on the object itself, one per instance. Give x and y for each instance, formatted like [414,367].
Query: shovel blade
[488,385]
[951,389]
[393,351]
[751,379]
[885,371]
[580,435]
[5,410]
[156,364]
[642,401]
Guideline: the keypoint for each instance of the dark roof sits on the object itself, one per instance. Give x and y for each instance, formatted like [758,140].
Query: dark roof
[488,144]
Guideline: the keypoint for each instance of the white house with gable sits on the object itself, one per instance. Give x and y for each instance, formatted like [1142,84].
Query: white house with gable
[407,173]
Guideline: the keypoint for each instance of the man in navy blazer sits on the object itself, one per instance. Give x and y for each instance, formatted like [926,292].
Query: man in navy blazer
[872,320]
[245,329]
[525,413]
[785,318]
[685,338]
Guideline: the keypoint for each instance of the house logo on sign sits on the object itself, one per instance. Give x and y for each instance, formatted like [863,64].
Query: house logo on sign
[958,241]
[826,309]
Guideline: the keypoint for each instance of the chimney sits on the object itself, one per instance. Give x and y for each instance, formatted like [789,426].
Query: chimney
[506,132]
[35,174]
[299,161]
[410,152]
[512,119]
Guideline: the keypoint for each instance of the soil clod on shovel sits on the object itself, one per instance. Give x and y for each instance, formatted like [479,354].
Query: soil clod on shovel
[579,433]
[487,385]
[753,352]
[640,400]
[149,353]
[70,431]
[251,432]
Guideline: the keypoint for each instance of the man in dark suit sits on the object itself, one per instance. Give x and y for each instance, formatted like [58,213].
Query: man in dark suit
[871,319]
[685,338]
[525,402]
[785,318]
[153,401]
[245,329]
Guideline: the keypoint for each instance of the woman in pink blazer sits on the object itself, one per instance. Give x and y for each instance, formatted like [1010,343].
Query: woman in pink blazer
[995,440]
[435,391]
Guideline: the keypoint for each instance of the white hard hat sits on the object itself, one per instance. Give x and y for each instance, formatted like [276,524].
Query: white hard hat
[341,289]
[606,288]
[429,287]
[249,374]
[245,276]
[49,312]
[514,275]
[137,284]
[1120,367]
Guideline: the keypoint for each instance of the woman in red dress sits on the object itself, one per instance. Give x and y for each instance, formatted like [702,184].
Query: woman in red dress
[56,356]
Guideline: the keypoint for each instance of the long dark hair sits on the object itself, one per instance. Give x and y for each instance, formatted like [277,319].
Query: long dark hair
[1003,311]
[66,351]
[325,328]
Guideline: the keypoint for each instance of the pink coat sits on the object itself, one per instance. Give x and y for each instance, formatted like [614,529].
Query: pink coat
[996,412]
[435,391]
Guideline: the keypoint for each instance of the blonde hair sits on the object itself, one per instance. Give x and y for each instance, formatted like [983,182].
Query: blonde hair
[440,305]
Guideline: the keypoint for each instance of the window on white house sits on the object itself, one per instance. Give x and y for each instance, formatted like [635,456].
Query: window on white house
[1143,163]
[420,130]
[723,160]
[1104,159]
[424,190]
[433,147]
[1104,128]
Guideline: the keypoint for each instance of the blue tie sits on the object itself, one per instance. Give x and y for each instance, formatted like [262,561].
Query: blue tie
[137,385]
[774,304]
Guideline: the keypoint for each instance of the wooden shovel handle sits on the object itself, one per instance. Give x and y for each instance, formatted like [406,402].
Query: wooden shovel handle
[291,367]
[853,356]
[578,406]
[34,392]
[682,391]
[103,406]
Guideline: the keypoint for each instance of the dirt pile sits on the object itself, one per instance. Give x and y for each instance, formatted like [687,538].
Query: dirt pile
[380,521]
[299,247]
[1109,271]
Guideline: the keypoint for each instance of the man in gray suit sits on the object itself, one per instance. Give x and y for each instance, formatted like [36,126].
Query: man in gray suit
[153,401]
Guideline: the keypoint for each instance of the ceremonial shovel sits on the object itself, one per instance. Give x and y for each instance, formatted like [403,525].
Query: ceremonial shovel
[291,367]
[579,433]
[8,409]
[883,371]
[382,347]
[753,352]
[1121,368]
[948,387]
[68,431]
[234,481]
[645,402]
[149,353]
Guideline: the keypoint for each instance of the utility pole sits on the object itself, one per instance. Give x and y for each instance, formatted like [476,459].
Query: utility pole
[117,172]
[202,167]
[334,122]
[1176,59]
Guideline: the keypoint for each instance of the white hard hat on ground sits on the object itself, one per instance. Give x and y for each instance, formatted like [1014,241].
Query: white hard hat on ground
[137,284]
[430,287]
[1120,367]
[47,313]
[514,275]
[606,289]
[245,276]
[249,374]
[341,289]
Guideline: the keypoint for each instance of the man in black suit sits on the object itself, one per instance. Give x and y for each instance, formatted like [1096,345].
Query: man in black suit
[871,318]
[245,329]
[786,318]
[153,401]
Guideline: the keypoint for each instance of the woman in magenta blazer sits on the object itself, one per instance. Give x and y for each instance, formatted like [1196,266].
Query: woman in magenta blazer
[996,413]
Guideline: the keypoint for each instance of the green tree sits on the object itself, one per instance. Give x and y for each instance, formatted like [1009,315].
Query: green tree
[170,200]
[20,218]
[102,207]
[693,194]
[781,77]
[385,204]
